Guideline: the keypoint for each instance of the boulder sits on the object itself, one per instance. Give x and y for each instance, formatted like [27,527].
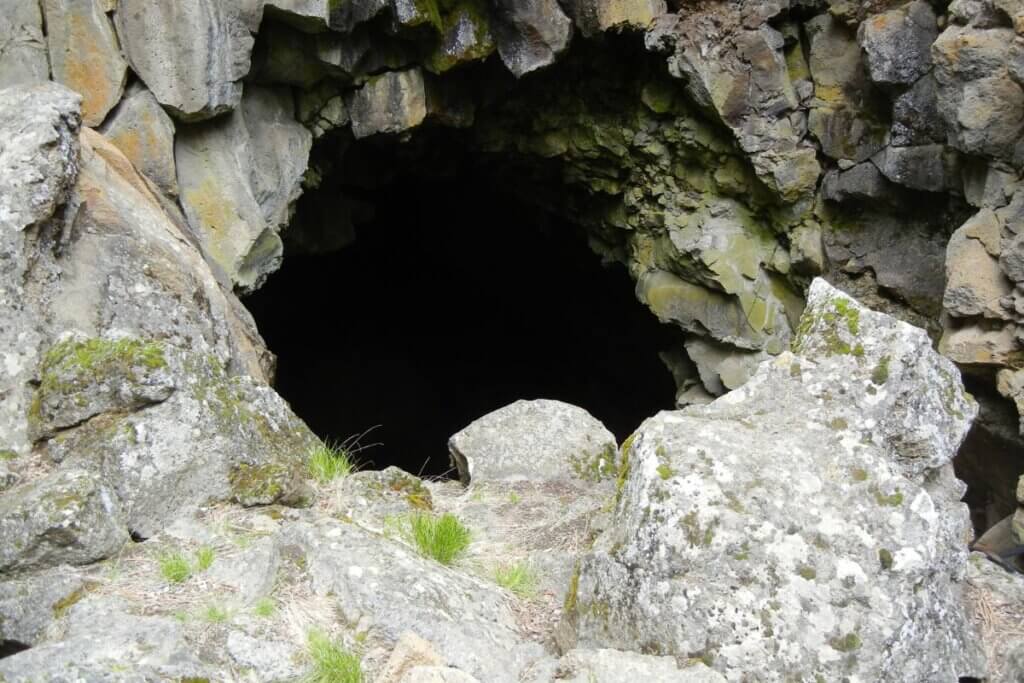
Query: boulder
[203,436]
[929,168]
[975,284]
[808,524]
[393,102]
[898,43]
[915,115]
[71,516]
[85,56]
[29,604]
[981,104]
[240,177]
[191,54]
[23,58]
[530,35]
[534,440]
[143,131]
[391,590]
[38,154]
[100,637]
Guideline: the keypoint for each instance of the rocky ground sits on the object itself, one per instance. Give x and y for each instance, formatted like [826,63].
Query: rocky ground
[159,518]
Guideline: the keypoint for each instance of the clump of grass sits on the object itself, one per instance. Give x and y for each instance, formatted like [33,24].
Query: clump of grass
[331,662]
[329,462]
[204,558]
[443,538]
[175,567]
[264,608]
[215,614]
[518,578]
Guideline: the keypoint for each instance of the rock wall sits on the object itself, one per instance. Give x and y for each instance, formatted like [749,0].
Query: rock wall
[725,152]
[765,143]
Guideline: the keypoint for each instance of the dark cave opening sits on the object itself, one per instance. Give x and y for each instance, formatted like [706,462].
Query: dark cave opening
[11,647]
[454,300]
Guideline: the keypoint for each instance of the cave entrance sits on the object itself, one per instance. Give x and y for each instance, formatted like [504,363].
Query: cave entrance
[454,298]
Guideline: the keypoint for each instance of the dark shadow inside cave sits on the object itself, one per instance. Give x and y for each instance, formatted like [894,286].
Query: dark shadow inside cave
[454,300]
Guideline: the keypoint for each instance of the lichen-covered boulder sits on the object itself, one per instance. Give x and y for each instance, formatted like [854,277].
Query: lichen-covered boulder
[806,525]
[204,435]
[386,590]
[103,643]
[29,604]
[71,516]
[535,441]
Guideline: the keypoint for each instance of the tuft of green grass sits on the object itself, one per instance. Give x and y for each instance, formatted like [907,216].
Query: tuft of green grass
[443,538]
[204,558]
[264,608]
[175,567]
[517,578]
[328,462]
[331,662]
[215,614]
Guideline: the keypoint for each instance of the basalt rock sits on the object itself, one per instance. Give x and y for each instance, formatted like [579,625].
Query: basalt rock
[794,514]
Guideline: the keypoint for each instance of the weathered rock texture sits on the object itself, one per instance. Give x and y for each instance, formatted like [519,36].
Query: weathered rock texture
[725,152]
[133,382]
[808,525]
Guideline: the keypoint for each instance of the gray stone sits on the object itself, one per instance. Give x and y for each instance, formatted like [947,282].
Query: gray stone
[192,54]
[388,590]
[85,56]
[535,440]
[915,115]
[722,368]
[104,643]
[214,438]
[393,102]
[38,154]
[23,58]
[240,177]
[983,107]
[852,565]
[974,281]
[346,16]
[898,43]
[69,517]
[143,131]
[719,74]
[29,604]
[930,168]
[531,34]
[861,182]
